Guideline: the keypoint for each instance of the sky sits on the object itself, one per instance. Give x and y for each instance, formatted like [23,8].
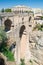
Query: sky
[29,3]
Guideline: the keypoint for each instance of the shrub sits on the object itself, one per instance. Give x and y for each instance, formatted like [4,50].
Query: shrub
[3,39]
[8,54]
[22,62]
[31,61]
[3,46]
[39,27]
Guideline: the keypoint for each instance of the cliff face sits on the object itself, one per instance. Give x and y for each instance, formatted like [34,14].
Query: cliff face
[36,47]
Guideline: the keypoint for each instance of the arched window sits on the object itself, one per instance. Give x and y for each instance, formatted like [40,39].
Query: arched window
[7,24]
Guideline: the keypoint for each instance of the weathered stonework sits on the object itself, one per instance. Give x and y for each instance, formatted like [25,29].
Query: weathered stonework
[18,20]
[20,31]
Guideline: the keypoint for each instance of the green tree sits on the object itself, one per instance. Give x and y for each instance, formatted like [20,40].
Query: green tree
[2,10]
[8,10]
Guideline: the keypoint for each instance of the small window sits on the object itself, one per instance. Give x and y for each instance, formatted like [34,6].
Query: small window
[22,19]
[30,41]
[30,25]
[22,22]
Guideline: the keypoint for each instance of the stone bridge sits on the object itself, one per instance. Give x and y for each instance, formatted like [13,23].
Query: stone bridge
[18,25]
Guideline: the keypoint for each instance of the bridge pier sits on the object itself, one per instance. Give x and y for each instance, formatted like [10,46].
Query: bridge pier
[22,46]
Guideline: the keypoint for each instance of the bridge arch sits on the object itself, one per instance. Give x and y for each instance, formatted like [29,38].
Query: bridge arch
[30,18]
[22,28]
[7,24]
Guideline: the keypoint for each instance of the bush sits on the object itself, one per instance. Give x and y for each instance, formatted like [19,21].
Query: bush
[31,61]
[3,39]
[3,46]
[22,62]
[39,27]
[8,54]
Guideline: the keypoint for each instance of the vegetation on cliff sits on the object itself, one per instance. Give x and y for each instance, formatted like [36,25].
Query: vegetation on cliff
[3,46]
[38,27]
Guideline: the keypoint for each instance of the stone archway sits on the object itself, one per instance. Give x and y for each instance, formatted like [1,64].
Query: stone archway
[21,30]
[23,41]
[22,44]
[7,24]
